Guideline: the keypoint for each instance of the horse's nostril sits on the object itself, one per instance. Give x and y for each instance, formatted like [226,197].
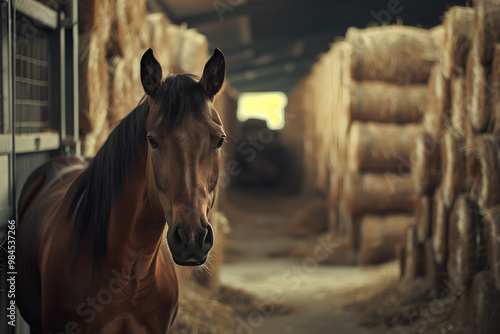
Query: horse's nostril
[179,237]
[209,238]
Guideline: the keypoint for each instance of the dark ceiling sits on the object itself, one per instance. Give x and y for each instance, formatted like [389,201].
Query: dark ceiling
[271,44]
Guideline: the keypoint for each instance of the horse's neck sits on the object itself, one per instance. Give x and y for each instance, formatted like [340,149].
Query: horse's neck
[135,229]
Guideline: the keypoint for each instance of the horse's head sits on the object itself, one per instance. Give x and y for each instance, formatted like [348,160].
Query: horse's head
[185,136]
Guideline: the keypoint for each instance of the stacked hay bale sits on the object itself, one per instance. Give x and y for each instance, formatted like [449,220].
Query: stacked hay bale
[389,67]
[457,162]
[361,106]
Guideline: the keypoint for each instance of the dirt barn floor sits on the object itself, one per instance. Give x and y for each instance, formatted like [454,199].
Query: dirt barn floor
[315,293]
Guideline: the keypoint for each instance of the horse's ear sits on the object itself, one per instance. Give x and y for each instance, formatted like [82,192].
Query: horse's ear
[214,73]
[150,73]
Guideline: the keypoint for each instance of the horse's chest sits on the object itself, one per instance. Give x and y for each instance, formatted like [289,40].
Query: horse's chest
[155,316]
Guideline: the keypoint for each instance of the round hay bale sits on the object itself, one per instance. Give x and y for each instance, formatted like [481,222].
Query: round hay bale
[486,28]
[396,54]
[94,15]
[495,90]
[439,231]
[437,110]
[492,226]
[371,192]
[414,253]
[379,235]
[464,258]
[175,40]
[385,102]
[193,52]
[452,166]
[477,93]
[93,89]
[119,34]
[485,188]
[372,146]
[423,217]
[159,41]
[426,164]
[136,15]
[457,39]
[458,112]
[484,305]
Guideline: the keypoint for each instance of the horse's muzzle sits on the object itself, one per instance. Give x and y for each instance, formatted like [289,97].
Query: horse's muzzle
[190,248]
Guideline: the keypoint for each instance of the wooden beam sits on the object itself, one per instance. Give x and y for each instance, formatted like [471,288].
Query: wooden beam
[229,9]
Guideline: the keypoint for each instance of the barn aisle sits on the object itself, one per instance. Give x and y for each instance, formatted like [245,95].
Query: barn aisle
[315,293]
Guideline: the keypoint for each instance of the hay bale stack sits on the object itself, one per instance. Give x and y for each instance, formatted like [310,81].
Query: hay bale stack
[439,230]
[452,166]
[465,237]
[486,28]
[437,110]
[486,168]
[379,234]
[375,192]
[426,164]
[378,78]
[372,146]
[491,223]
[396,54]
[423,217]
[380,101]
[456,40]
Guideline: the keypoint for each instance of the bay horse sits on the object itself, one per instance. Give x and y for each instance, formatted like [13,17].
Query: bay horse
[91,251]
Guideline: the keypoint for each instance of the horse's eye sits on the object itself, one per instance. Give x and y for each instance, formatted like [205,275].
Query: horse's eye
[220,142]
[152,142]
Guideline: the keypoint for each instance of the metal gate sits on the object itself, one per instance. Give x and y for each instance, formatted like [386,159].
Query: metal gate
[38,104]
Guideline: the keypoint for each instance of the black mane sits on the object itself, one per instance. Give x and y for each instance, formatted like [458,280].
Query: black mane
[92,194]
